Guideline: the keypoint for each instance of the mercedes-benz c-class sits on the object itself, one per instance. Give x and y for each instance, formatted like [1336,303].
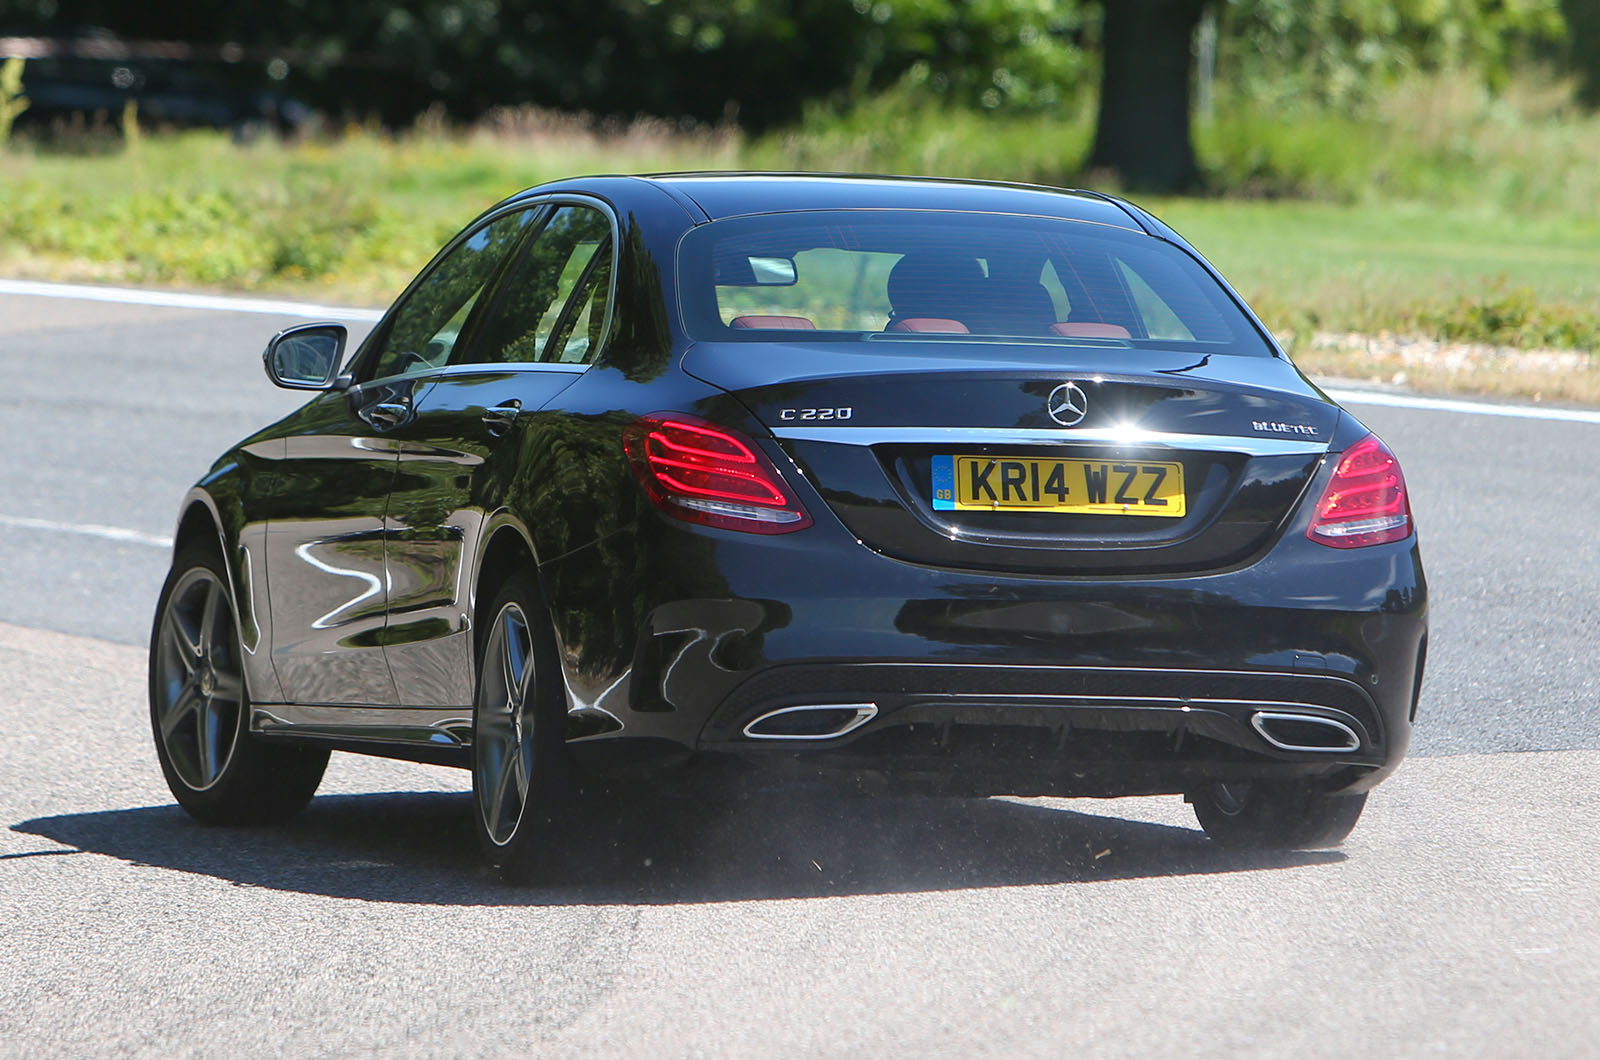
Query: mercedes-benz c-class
[970,488]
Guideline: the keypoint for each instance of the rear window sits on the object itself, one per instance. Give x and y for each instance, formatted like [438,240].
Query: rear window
[901,274]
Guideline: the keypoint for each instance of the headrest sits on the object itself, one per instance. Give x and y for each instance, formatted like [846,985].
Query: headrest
[928,285]
[782,323]
[930,324]
[1086,329]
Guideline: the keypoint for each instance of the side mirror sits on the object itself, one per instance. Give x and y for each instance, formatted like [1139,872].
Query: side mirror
[306,356]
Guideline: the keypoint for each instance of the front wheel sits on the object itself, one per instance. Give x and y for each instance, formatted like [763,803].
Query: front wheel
[519,770]
[200,708]
[1275,815]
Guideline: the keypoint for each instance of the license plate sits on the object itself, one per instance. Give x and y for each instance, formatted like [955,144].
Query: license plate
[1033,484]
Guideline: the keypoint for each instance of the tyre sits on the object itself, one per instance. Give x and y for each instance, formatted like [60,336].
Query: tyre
[520,776]
[200,708]
[1275,815]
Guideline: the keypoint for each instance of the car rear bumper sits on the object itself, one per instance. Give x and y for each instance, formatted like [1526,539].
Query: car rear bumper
[994,729]
[1307,662]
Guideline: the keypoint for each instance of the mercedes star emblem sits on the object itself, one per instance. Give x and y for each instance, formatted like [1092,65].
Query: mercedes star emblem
[1068,404]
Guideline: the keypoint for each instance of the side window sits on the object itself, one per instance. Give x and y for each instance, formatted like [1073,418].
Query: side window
[1160,322]
[1172,303]
[553,303]
[1051,282]
[577,337]
[424,330]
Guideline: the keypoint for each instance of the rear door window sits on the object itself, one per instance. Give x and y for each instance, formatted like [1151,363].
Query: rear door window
[552,305]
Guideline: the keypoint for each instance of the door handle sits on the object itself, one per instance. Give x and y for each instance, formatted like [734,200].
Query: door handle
[387,413]
[500,418]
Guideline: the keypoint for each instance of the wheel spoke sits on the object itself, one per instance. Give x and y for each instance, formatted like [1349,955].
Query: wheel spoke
[494,729]
[497,799]
[206,741]
[525,662]
[208,618]
[187,648]
[514,659]
[519,769]
[187,702]
[508,674]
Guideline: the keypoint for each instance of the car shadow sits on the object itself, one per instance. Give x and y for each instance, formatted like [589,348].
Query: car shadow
[418,847]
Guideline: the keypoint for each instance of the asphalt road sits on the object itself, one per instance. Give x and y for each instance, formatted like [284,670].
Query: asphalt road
[1458,919]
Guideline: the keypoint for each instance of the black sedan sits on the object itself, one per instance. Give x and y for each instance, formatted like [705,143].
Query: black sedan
[972,488]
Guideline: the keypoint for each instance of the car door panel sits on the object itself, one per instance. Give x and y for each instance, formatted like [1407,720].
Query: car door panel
[457,464]
[462,455]
[328,538]
[324,502]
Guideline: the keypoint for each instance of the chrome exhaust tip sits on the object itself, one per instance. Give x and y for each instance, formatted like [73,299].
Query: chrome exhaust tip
[823,721]
[1305,732]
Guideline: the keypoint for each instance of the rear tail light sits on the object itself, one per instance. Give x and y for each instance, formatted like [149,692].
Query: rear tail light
[699,472]
[1366,501]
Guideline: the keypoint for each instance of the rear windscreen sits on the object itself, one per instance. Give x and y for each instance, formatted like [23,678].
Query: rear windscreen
[898,274]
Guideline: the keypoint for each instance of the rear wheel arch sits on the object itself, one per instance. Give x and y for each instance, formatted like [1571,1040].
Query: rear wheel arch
[506,553]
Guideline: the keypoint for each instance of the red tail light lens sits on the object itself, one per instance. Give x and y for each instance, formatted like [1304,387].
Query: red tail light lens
[1366,502]
[702,473]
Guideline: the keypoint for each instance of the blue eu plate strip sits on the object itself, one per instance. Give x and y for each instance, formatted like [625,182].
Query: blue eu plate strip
[944,483]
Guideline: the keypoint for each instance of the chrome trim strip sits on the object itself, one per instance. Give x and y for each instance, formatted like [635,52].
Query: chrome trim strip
[512,367]
[1259,719]
[865,712]
[1163,702]
[435,726]
[1129,437]
[1295,675]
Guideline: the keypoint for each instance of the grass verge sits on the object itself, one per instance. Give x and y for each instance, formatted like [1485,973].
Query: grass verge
[1444,214]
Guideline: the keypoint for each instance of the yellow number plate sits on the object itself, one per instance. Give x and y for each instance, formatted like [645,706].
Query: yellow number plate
[1084,487]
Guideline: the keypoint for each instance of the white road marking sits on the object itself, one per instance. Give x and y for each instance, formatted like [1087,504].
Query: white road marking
[1467,408]
[181,300]
[108,533]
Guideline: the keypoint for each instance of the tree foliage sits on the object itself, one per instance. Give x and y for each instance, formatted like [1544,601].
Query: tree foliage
[757,61]
[1338,51]
[761,61]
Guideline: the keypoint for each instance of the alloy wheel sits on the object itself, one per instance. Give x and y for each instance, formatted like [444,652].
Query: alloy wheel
[199,688]
[503,725]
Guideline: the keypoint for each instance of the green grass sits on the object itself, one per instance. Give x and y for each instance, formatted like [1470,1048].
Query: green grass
[1443,212]
[352,216]
[1401,266]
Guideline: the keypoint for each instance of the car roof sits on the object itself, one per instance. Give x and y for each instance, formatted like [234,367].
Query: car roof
[722,195]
